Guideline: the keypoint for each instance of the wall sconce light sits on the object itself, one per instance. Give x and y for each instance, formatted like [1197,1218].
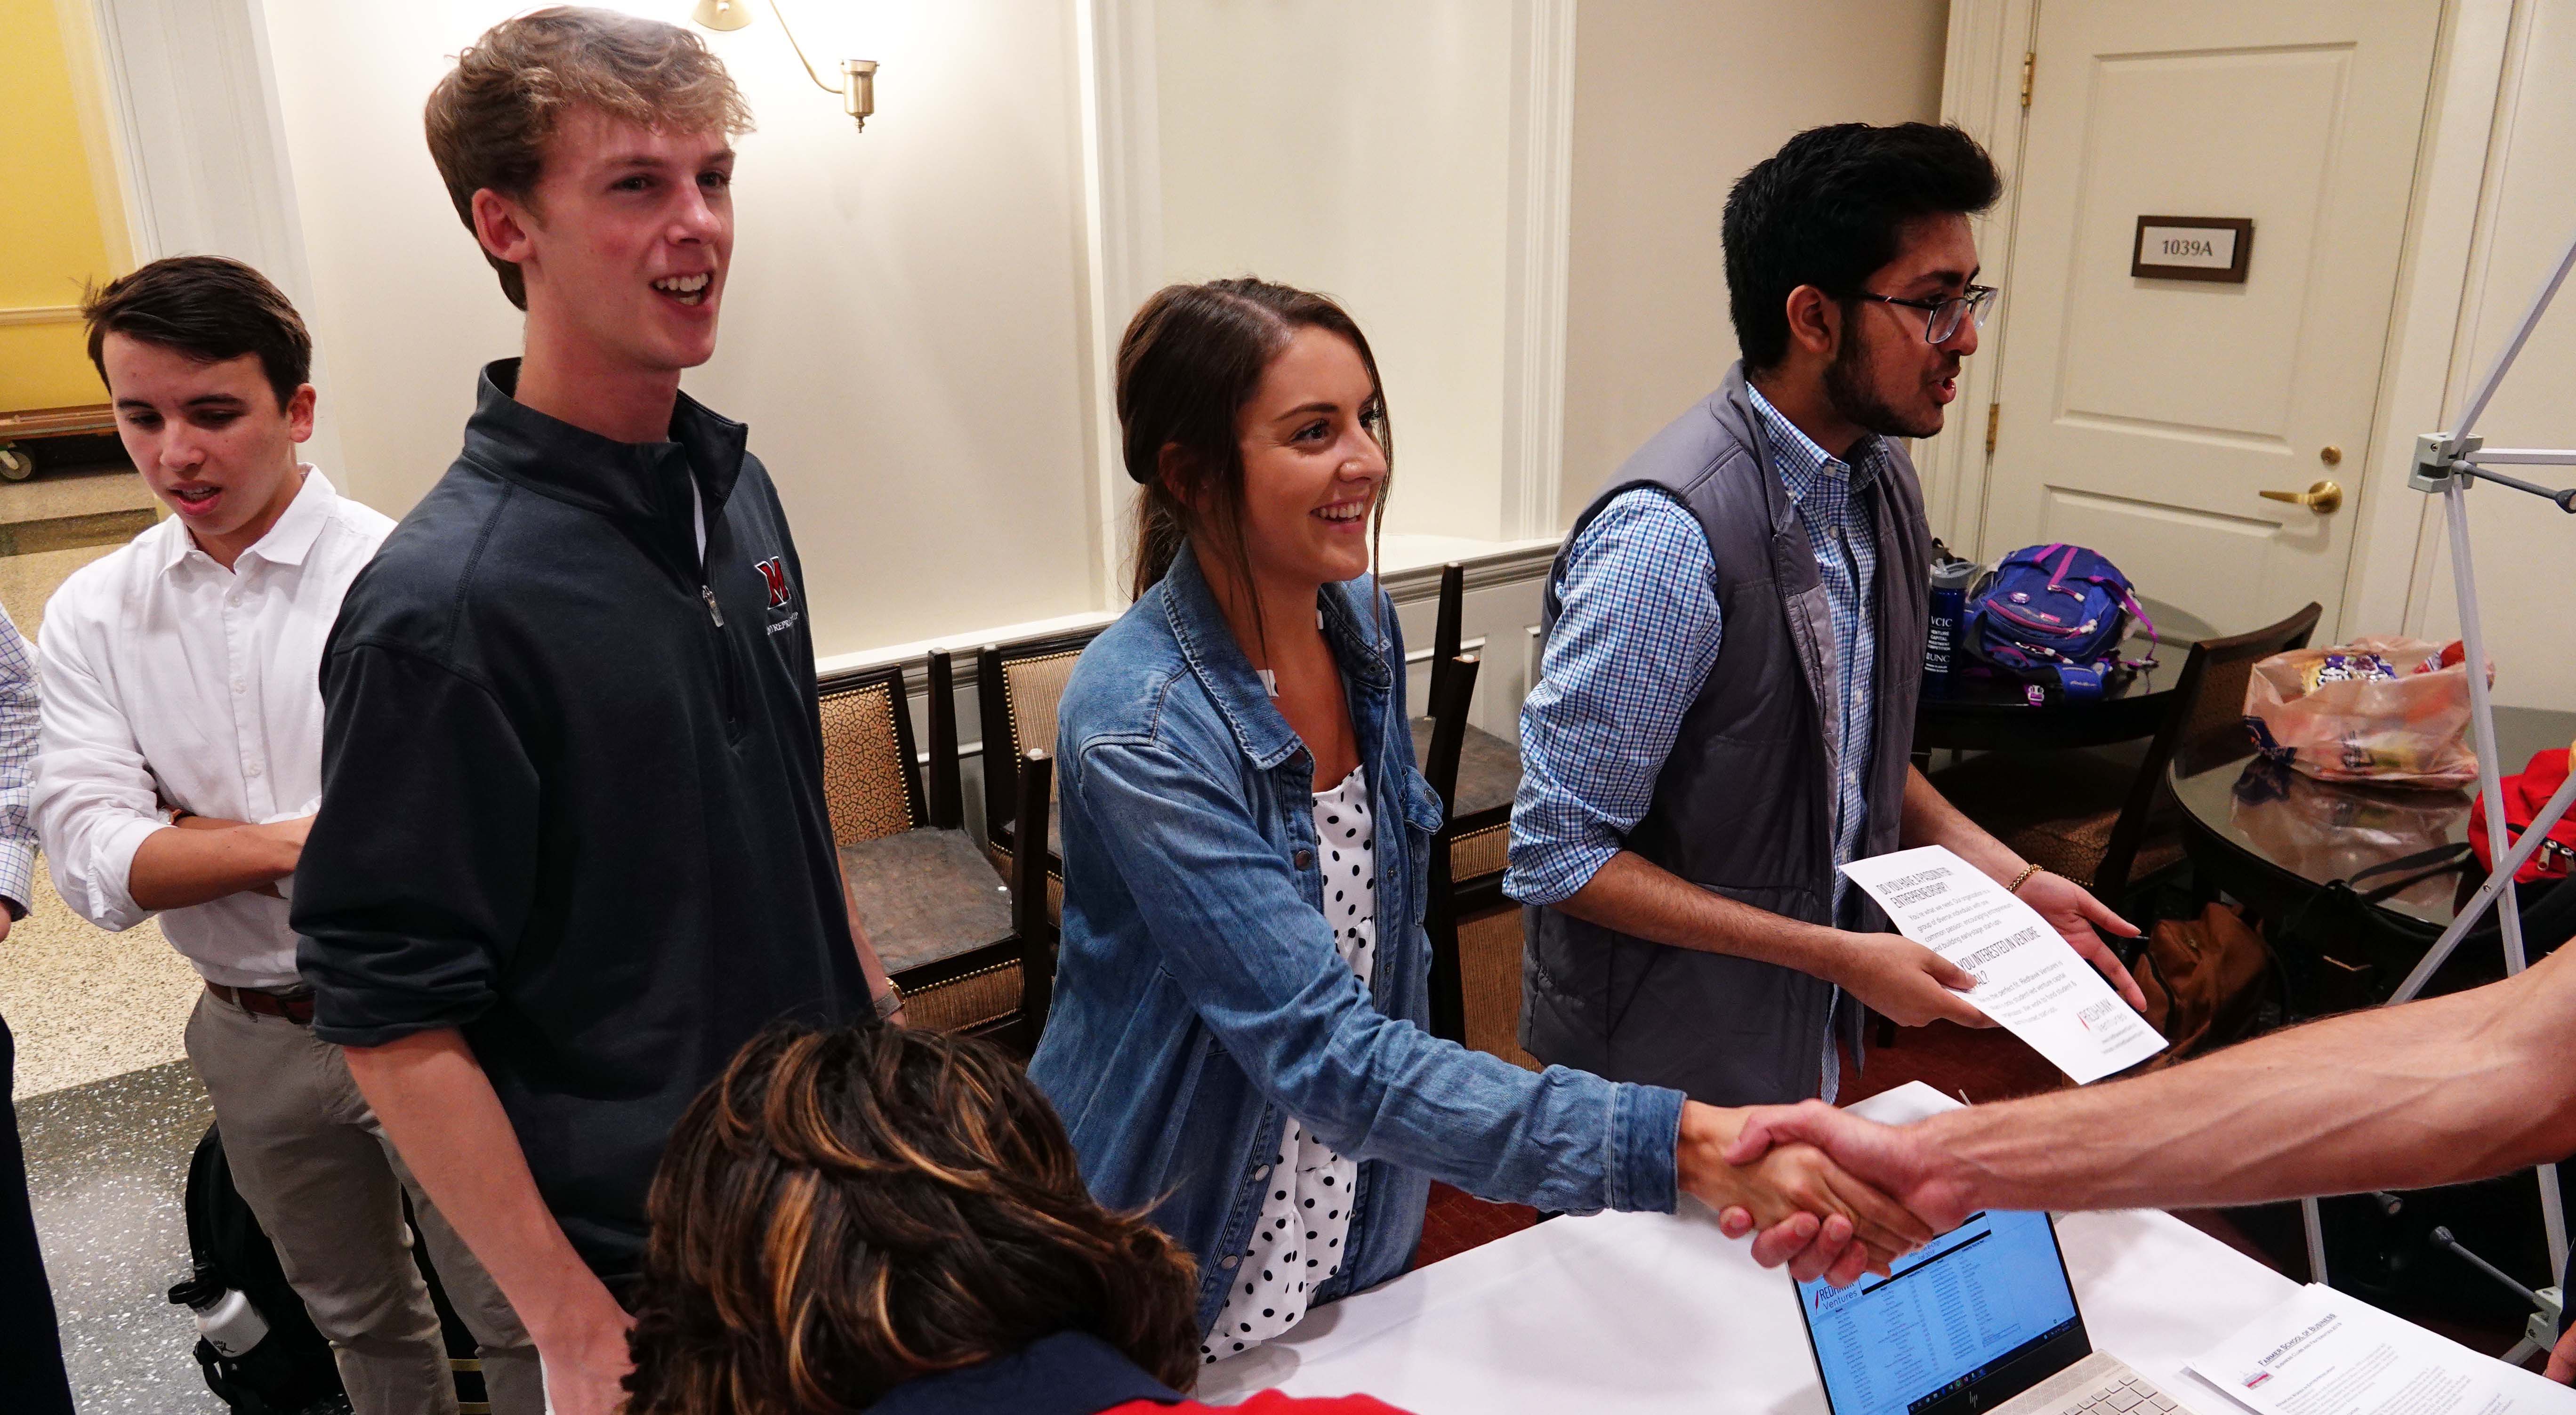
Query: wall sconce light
[858,87]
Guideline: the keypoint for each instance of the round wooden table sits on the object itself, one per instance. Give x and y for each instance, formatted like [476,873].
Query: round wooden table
[2273,838]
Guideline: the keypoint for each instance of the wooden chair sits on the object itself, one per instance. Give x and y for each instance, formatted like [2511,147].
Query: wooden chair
[1489,770]
[971,952]
[2212,727]
[1017,690]
[2096,820]
[1453,682]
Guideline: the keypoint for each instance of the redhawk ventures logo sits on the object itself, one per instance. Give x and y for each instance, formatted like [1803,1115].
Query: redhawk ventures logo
[774,570]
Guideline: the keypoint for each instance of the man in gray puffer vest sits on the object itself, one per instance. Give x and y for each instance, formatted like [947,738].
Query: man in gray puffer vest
[1735,634]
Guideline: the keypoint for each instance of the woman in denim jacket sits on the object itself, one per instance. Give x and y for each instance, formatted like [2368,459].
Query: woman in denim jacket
[1237,1039]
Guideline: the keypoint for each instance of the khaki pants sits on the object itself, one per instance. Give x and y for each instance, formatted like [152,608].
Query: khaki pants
[308,1156]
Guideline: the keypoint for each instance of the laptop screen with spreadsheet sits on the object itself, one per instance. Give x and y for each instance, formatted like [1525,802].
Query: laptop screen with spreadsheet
[1965,1323]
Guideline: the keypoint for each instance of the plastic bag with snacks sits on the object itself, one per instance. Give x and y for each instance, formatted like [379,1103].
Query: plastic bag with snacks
[2389,710]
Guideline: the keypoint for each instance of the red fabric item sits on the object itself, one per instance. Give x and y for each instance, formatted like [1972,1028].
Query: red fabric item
[1269,1402]
[2524,795]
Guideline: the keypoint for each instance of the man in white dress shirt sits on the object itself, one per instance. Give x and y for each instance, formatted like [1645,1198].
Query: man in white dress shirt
[178,772]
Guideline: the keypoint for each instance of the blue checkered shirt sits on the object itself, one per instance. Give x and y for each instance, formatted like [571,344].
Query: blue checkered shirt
[1636,633]
[1635,638]
[17,764]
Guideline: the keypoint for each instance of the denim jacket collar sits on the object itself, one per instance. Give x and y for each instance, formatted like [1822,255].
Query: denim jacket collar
[1207,645]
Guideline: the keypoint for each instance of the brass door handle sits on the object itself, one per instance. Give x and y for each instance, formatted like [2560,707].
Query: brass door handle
[2325,497]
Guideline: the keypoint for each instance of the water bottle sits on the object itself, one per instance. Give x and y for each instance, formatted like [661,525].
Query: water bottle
[225,1318]
[1950,580]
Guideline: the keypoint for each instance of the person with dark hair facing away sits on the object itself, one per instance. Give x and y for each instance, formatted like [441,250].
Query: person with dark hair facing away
[1734,647]
[893,1221]
[181,758]
[573,848]
[1237,1038]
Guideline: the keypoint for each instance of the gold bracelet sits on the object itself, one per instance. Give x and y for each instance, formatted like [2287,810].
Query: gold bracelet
[2021,879]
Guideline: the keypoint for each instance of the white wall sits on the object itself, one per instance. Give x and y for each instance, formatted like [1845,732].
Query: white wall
[2525,550]
[1362,148]
[910,332]
[1673,100]
[195,143]
[903,328]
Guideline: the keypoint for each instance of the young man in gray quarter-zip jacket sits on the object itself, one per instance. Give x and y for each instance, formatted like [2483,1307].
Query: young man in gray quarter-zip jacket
[573,849]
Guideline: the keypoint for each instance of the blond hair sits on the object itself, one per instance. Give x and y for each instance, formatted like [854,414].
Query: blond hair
[489,119]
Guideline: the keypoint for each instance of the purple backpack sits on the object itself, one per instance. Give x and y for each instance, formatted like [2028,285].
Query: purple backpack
[2055,613]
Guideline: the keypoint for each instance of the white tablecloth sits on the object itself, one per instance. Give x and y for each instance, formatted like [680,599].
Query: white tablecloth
[1661,1312]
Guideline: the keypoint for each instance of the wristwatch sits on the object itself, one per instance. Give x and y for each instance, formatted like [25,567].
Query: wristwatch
[891,1003]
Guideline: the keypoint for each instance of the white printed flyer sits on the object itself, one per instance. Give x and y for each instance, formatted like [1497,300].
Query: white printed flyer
[2324,1352]
[2028,978]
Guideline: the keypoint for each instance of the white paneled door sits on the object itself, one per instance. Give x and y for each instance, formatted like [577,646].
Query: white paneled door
[2144,416]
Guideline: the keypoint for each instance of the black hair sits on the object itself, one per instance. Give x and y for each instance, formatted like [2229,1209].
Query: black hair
[1829,208]
[209,308]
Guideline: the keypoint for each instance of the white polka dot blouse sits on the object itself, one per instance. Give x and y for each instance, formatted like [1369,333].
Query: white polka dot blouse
[1305,1215]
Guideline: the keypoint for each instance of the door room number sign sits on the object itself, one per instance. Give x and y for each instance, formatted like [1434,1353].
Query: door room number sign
[2193,248]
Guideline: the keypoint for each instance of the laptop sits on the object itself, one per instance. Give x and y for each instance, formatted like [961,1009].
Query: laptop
[1981,1321]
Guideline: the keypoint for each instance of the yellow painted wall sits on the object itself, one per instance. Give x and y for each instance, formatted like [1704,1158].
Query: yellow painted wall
[50,225]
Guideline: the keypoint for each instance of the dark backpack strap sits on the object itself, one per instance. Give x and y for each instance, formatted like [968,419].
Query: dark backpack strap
[2441,859]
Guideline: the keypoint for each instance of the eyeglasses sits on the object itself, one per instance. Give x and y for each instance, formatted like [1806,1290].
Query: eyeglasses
[1941,317]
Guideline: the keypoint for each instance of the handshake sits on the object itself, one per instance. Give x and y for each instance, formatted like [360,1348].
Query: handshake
[1822,1190]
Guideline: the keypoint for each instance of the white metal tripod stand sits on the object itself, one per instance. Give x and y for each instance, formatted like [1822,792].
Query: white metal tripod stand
[2447,464]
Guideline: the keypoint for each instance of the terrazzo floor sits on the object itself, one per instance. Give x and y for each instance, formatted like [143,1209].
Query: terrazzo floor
[69,492]
[62,499]
[108,1112]
[106,1165]
[109,1116]
[87,1004]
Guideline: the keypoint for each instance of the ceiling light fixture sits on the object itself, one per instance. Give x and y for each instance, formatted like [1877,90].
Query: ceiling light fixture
[858,87]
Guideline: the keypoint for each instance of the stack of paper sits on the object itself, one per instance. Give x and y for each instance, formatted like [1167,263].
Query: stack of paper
[2325,1352]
